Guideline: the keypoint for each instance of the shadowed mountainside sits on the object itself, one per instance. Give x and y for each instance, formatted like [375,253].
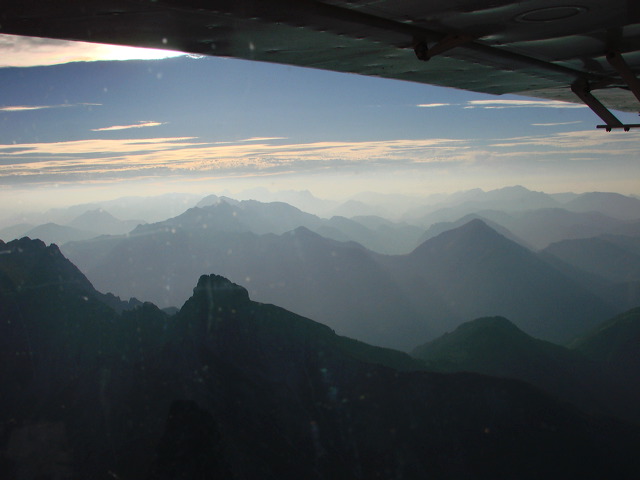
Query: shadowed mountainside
[230,387]
[495,346]
[478,272]
[615,344]
[613,257]
[339,284]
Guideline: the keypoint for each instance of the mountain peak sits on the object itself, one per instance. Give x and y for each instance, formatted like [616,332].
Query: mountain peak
[220,291]
[26,244]
[92,217]
[475,232]
[494,324]
[481,340]
[464,242]
[30,263]
[476,224]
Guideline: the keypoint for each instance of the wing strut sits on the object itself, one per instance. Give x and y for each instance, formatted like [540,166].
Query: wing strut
[582,89]
[618,62]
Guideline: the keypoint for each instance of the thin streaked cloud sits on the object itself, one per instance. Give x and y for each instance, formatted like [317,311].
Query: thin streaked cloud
[591,139]
[555,124]
[262,139]
[179,158]
[27,108]
[186,155]
[133,158]
[432,105]
[126,127]
[497,104]
[569,146]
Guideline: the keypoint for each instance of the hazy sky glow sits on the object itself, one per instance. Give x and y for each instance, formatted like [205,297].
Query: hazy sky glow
[209,124]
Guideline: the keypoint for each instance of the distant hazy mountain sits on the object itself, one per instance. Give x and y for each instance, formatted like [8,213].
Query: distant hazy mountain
[222,214]
[15,231]
[478,272]
[535,217]
[395,301]
[301,199]
[611,204]
[354,208]
[102,223]
[210,200]
[149,209]
[544,226]
[59,234]
[232,216]
[508,199]
[441,227]
[538,228]
[613,257]
[230,388]
[516,198]
[339,284]
[630,229]
[397,205]
[375,233]
[564,197]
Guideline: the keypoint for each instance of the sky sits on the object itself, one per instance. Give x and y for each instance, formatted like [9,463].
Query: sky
[82,122]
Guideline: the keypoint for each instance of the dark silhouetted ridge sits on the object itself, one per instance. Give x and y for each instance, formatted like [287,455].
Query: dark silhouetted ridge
[31,264]
[27,264]
[231,388]
[615,342]
[495,346]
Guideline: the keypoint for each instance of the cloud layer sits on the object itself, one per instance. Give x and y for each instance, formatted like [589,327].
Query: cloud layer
[187,156]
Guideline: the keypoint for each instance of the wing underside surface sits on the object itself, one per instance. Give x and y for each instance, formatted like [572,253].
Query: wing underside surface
[537,48]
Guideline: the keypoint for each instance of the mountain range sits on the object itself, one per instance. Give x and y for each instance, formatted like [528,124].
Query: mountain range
[232,388]
[407,298]
[536,229]
[395,301]
[515,199]
[89,224]
[223,214]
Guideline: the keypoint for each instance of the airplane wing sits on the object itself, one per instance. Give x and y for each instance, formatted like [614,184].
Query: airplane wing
[581,50]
